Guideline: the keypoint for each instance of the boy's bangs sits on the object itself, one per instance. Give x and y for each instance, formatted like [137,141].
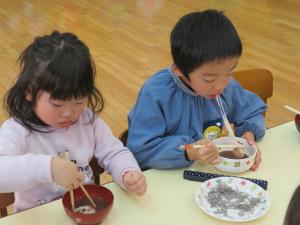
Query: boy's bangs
[221,49]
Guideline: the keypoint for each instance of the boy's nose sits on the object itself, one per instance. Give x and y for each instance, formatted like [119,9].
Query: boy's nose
[221,84]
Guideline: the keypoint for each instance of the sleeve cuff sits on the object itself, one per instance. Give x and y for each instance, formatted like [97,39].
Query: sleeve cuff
[258,132]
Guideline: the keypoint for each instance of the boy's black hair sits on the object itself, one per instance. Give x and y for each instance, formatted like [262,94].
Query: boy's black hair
[59,64]
[292,216]
[202,37]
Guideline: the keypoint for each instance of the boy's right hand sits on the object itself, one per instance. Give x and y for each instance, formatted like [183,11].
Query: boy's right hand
[207,154]
[65,173]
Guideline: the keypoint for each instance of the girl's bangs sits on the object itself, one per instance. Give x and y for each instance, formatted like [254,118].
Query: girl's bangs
[68,79]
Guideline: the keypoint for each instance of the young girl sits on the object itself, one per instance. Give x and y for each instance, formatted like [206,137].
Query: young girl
[52,108]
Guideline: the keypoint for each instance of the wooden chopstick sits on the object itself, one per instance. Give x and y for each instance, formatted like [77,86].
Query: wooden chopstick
[67,156]
[72,200]
[189,146]
[292,109]
[87,195]
[225,120]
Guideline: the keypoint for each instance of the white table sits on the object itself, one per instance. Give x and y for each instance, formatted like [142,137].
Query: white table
[170,198]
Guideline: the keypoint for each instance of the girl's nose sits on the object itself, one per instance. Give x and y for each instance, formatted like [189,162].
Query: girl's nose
[67,113]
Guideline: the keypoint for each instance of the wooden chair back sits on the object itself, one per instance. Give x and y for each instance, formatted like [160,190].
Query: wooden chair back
[259,81]
[6,199]
[97,170]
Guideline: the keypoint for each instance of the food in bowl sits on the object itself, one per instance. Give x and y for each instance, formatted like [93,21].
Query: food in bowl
[84,213]
[232,155]
[231,164]
[84,206]
[85,209]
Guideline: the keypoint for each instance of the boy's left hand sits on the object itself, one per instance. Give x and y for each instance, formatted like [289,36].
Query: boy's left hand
[249,136]
[134,181]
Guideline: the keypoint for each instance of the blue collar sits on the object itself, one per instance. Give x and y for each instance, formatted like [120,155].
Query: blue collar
[181,85]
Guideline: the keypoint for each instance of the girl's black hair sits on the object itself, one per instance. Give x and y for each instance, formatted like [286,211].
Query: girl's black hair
[292,216]
[202,37]
[59,64]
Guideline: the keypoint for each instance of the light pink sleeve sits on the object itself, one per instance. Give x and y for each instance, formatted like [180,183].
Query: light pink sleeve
[111,153]
[20,169]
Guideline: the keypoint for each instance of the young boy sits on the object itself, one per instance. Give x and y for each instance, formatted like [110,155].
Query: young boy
[177,105]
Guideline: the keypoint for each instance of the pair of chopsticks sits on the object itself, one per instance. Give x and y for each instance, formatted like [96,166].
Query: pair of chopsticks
[225,120]
[292,109]
[220,147]
[67,156]
[239,152]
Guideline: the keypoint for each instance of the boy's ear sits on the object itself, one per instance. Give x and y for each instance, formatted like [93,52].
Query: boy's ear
[177,71]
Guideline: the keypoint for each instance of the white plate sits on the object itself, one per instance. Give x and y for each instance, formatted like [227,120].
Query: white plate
[245,188]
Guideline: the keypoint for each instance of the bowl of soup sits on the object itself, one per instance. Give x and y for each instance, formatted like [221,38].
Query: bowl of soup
[230,163]
[84,213]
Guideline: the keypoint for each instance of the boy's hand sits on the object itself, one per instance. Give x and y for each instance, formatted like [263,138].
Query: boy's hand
[134,181]
[207,154]
[65,173]
[249,136]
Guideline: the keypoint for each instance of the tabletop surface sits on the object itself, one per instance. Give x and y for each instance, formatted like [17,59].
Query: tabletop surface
[170,198]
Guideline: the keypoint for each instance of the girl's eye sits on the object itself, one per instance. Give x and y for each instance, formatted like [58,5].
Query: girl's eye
[56,105]
[79,103]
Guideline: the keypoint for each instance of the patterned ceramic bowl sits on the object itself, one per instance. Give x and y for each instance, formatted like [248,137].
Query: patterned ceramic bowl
[231,165]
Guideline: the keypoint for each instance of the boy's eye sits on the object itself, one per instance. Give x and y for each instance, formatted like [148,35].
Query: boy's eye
[209,81]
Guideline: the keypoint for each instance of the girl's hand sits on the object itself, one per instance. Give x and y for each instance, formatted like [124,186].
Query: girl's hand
[134,181]
[65,173]
[207,154]
[249,136]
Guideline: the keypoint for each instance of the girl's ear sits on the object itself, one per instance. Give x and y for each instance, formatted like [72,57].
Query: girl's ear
[28,95]
[177,71]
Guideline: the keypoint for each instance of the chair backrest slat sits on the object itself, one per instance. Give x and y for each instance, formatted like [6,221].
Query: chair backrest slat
[259,81]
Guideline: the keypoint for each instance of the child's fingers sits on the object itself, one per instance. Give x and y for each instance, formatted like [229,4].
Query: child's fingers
[209,153]
[257,160]
[216,161]
[202,142]
[141,190]
[209,157]
[80,177]
[65,173]
[134,181]
[132,177]
[249,136]
[138,188]
[75,181]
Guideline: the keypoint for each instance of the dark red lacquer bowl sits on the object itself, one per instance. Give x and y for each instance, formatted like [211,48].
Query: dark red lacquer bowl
[102,197]
[297,122]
